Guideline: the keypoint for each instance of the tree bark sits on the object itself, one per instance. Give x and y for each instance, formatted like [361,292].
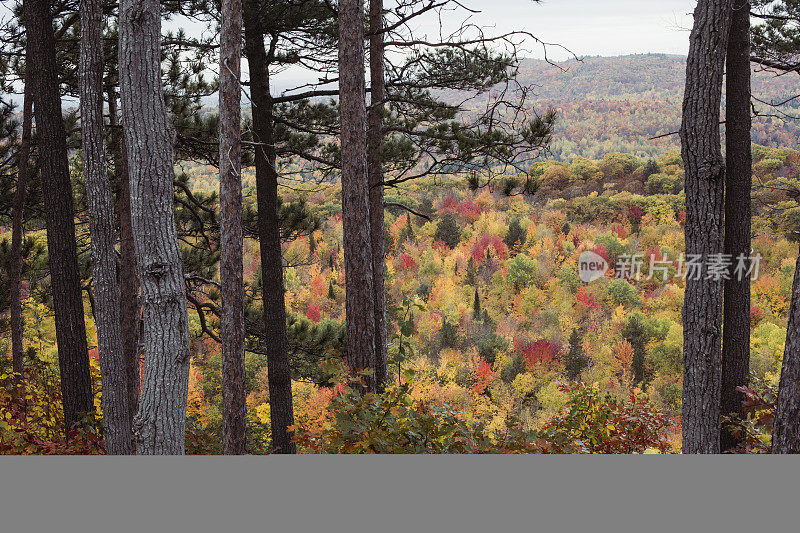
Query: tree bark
[73,354]
[160,423]
[231,266]
[375,172]
[738,182]
[130,308]
[278,364]
[705,180]
[116,416]
[786,426]
[358,256]
[20,194]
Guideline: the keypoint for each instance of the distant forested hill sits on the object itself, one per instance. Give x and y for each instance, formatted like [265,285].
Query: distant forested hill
[615,104]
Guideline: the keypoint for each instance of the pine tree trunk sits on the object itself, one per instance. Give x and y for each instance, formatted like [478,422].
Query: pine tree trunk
[358,257]
[738,182]
[20,194]
[160,422]
[278,364]
[786,426]
[130,309]
[231,268]
[116,416]
[73,354]
[705,180]
[375,172]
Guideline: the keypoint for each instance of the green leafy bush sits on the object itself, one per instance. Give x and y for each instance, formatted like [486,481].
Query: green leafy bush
[392,422]
[622,293]
[521,270]
[602,424]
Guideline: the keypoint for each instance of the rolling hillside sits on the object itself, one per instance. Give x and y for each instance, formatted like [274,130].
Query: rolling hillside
[616,104]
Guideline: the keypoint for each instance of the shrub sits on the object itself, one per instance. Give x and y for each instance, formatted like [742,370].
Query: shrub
[660,184]
[622,293]
[407,262]
[569,278]
[587,298]
[595,424]
[617,166]
[556,177]
[509,184]
[754,429]
[394,422]
[490,346]
[514,366]
[313,313]
[535,353]
[667,392]
[756,315]
[613,247]
[584,168]
[521,271]
[391,422]
[650,168]
[31,415]
[448,336]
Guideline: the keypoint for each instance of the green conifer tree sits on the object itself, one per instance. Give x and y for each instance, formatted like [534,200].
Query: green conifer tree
[650,168]
[516,235]
[576,359]
[472,272]
[447,231]
[407,234]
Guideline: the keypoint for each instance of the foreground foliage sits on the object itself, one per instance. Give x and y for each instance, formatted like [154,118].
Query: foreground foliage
[394,422]
[31,419]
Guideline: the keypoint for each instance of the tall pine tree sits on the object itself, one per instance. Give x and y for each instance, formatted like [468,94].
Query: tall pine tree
[73,354]
[161,419]
[231,242]
[116,415]
[705,182]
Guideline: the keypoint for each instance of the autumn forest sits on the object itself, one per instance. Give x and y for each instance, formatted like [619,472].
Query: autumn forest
[439,241]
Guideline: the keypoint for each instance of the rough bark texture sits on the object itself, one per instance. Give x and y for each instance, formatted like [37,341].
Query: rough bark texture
[705,181]
[231,269]
[73,354]
[738,181]
[375,172]
[130,309]
[278,363]
[358,257]
[116,416]
[786,426]
[160,423]
[15,268]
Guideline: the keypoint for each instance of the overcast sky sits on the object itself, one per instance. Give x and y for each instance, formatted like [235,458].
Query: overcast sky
[586,27]
[597,27]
